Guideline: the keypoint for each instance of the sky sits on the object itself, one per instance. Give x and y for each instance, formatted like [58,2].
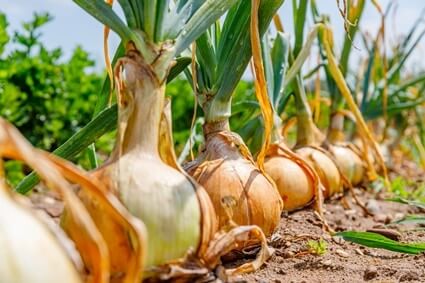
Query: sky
[72,26]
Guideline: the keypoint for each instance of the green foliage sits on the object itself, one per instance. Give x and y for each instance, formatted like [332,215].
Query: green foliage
[15,171]
[4,37]
[403,189]
[47,97]
[182,106]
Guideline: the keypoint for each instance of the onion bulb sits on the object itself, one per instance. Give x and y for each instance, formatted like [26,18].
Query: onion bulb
[30,252]
[227,172]
[325,167]
[167,201]
[349,163]
[293,177]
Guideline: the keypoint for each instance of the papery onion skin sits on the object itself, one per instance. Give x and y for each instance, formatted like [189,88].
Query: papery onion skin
[29,251]
[295,186]
[326,169]
[158,194]
[349,163]
[227,175]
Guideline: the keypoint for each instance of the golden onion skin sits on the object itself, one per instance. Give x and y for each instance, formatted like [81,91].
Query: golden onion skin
[226,174]
[29,251]
[326,169]
[349,163]
[295,186]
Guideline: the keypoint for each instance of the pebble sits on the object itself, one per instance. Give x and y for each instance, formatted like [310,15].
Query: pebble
[342,253]
[338,240]
[370,273]
[373,206]
[359,251]
[382,218]
[350,212]
[327,263]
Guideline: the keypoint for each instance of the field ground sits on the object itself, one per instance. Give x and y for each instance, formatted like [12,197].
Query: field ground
[342,261]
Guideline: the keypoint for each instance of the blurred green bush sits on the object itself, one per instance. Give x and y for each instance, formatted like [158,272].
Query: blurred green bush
[49,97]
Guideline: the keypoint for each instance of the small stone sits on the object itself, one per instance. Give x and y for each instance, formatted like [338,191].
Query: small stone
[342,253]
[327,263]
[382,218]
[370,273]
[409,276]
[350,212]
[338,240]
[373,206]
[359,251]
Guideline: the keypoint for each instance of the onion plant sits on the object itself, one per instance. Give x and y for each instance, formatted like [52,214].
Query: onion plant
[225,166]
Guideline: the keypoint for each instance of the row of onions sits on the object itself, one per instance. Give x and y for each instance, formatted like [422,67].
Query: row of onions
[141,215]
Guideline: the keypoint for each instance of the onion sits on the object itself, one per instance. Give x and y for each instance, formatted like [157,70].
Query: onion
[345,154]
[166,200]
[227,172]
[29,251]
[293,179]
[324,166]
[349,163]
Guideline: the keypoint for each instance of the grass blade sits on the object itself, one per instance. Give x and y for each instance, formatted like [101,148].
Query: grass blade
[374,240]
[104,122]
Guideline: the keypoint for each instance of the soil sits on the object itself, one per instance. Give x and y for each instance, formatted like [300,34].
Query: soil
[344,261]
[341,261]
